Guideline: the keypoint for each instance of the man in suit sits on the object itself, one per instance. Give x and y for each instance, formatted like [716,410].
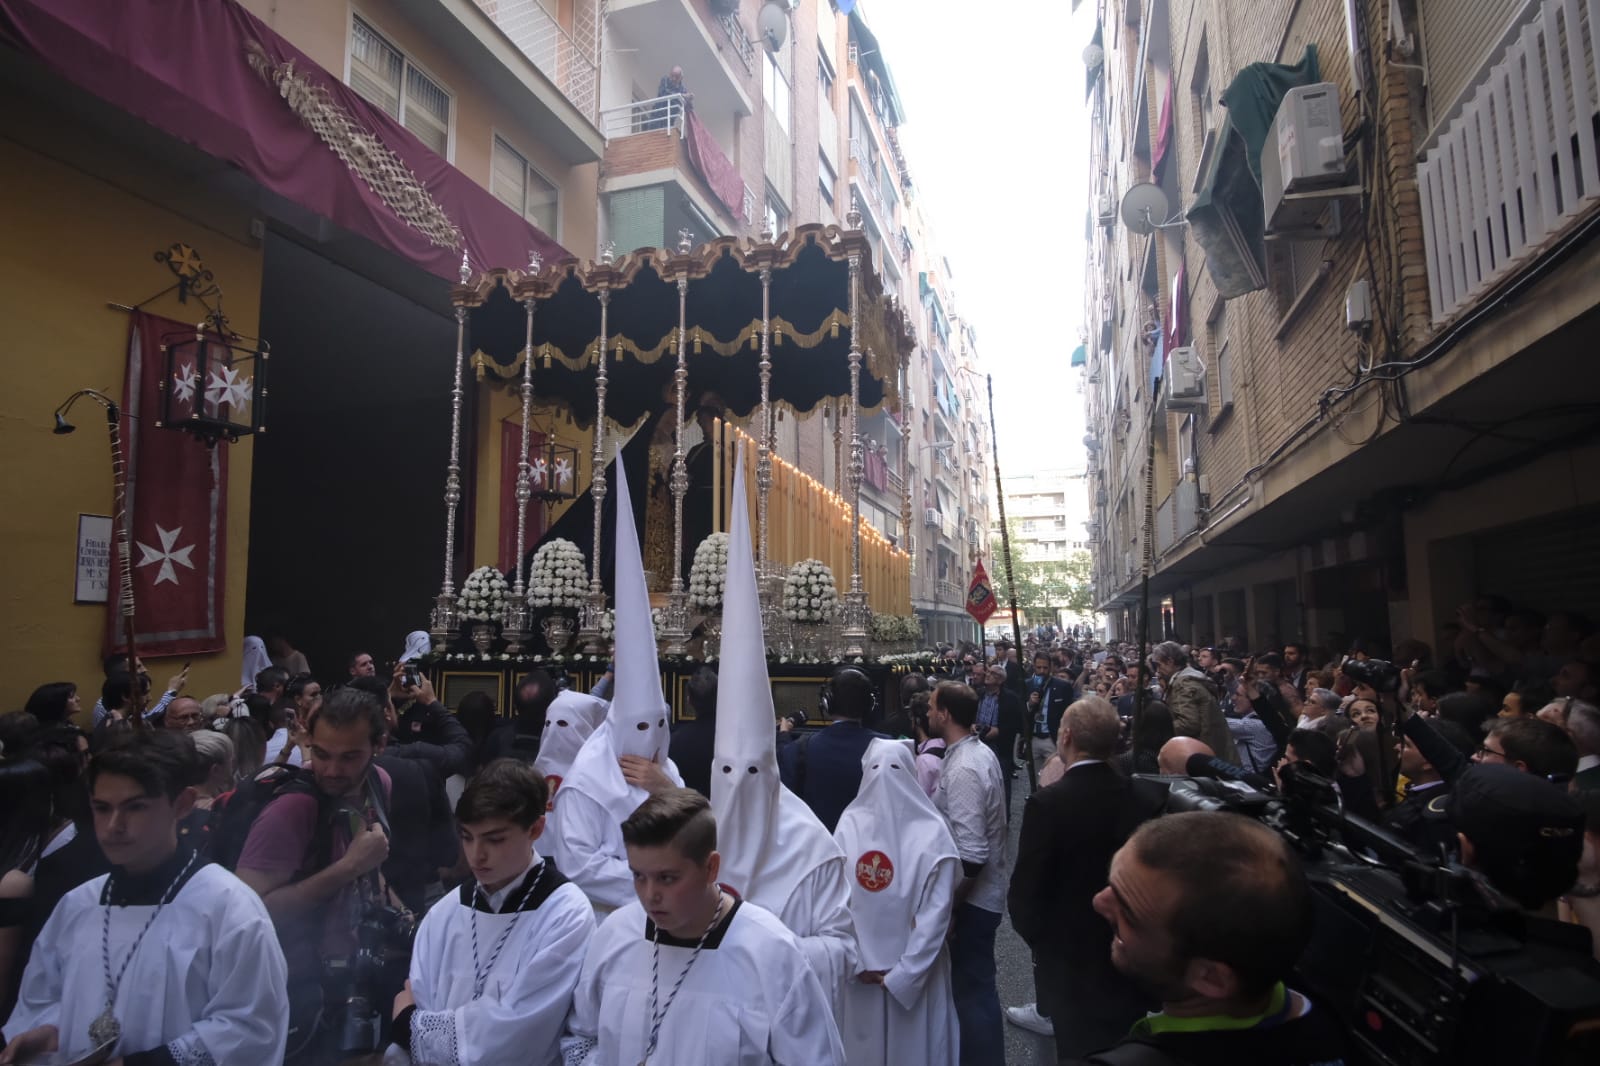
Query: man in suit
[1070,830]
[1001,721]
[1048,697]
[824,768]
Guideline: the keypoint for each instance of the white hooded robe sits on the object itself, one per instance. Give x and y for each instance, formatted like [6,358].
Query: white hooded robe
[775,852]
[904,870]
[585,826]
[571,719]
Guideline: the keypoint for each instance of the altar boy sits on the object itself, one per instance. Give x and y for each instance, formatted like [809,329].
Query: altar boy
[168,958]
[494,963]
[689,972]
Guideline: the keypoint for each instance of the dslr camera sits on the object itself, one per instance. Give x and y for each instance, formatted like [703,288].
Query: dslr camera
[1382,675]
[373,976]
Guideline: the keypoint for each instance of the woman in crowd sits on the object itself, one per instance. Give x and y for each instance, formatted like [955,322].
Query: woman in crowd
[54,703]
[478,716]
[249,746]
[1152,729]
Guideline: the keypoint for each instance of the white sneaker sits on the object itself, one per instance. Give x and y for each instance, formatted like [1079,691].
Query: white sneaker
[1028,1017]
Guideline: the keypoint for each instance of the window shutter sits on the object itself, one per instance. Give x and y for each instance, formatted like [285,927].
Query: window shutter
[508,176]
[375,69]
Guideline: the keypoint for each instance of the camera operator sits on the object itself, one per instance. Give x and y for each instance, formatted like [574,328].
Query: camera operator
[1210,912]
[313,855]
[1420,819]
[425,729]
[1523,834]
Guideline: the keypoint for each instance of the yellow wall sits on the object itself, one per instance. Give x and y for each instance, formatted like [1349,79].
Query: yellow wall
[72,243]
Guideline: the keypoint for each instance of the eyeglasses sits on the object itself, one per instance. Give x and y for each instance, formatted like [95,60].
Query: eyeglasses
[1486,752]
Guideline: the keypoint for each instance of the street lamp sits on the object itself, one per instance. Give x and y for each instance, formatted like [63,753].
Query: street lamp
[119,524]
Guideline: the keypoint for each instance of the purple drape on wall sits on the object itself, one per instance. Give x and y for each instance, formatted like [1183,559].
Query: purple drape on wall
[1163,143]
[181,65]
[714,167]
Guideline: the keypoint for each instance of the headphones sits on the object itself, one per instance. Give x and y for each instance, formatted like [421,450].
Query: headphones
[827,696]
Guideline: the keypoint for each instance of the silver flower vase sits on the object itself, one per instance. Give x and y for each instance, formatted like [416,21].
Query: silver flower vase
[557,629]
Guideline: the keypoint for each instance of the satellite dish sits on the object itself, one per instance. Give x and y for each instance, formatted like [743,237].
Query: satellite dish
[1094,57]
[773,24]
[1144,207]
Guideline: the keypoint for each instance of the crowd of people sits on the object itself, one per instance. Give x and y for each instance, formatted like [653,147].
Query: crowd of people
[289,873]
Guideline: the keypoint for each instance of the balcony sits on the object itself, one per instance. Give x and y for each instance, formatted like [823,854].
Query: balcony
[570,60]
[647,38]
[549,74]
[864,181]
[1514,161]
[664,172]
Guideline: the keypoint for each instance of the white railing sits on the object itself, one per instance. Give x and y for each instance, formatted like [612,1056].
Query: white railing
[867,179]
[570,61]
[753,211]
[644,116]
[1516,158]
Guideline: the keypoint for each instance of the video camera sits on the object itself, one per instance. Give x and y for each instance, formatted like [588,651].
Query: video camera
[1420,959]
[1381,674]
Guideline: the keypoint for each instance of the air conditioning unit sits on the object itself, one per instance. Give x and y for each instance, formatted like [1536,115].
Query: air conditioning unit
[930,517]
[1092,442]
[1106,209]
[1183,383]
[1303,160]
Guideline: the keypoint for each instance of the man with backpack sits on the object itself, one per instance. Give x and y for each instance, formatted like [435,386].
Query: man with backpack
[313,843]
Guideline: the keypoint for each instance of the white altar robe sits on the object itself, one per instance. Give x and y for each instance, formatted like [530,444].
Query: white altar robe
[904,872]
[527,995]
[750,998]
[208,982]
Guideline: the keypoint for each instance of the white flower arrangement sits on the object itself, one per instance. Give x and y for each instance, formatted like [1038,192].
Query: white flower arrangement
[708,577]
[809,595]
[658,621]
[483,595]
[558,576]
[608,624]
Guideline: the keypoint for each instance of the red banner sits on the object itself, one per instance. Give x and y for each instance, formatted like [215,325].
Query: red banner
[177,510]
[980,596]
[718,171]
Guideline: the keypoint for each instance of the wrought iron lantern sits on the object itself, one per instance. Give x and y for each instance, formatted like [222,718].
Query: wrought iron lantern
[555,472]
[213,386]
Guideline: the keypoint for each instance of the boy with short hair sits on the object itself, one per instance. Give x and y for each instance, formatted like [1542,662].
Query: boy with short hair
[494,964]
[166,959]
[690,972]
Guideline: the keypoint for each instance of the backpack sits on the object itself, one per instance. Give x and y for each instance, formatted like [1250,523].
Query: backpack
[234,813]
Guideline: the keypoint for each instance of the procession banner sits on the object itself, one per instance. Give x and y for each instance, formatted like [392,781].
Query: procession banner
[980,595]
[177,508]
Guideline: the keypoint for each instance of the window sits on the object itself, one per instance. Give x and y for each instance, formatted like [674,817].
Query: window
[522,188]
[777,218]
[382,75]
[826,180]
[1221,356]
[775,90]
[1200,89]
[824,79]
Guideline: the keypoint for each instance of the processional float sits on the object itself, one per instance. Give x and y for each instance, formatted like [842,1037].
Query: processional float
[799,320]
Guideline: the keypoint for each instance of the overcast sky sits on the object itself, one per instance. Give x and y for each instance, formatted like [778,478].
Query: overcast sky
[996,139]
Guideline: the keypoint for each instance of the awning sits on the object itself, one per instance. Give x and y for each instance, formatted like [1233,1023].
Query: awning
[203,71]
[1227,218]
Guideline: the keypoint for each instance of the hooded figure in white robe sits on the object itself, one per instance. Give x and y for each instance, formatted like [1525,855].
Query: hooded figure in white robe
[207,982]
[418,644]
[546,924]
[256,660]
[774,850]
[570,720]
[595,799]
[904,875]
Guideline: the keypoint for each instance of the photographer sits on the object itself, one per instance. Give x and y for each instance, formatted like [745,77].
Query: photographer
[1211,912]
[313,855]
[426,730]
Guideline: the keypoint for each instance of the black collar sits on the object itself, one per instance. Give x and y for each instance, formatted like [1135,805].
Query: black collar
[123,889]
[712,941]
[536,886]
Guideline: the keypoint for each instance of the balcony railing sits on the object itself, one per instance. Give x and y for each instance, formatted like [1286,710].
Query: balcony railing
[867,180]
[569,60]
[1515,159]
[742,44]
[644,116]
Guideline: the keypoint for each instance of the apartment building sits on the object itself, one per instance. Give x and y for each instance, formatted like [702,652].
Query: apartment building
[1393,406]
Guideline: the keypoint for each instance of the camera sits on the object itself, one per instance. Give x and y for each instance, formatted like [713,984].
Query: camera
[1422,961]
[410,677]
[1381,674]
[370,979]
